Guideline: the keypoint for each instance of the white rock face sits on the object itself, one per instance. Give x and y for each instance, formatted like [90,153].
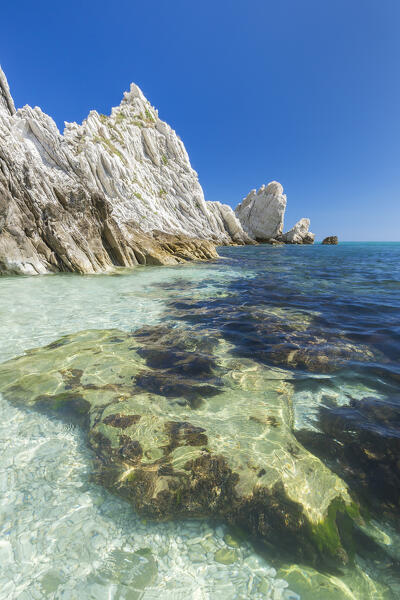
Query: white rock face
[299,234]
[140,163]
[262,212]
[6,101]
[100,194]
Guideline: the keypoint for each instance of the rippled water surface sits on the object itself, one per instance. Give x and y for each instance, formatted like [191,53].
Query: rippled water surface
[321,323]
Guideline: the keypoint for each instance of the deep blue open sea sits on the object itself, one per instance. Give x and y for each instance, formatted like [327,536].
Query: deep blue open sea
[324,320]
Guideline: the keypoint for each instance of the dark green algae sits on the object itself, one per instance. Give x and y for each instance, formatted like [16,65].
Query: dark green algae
[155,403]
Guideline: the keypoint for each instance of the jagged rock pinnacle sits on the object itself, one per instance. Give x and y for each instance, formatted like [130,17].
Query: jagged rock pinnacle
[115,190]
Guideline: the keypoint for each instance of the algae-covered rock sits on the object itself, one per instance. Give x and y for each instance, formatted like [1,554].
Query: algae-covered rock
[182,428]
[282,336]
[363,440]
[226,556]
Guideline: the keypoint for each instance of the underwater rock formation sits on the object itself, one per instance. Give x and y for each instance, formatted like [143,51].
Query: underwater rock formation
[115,190]
[299,234]
[364,439]
[332,239]
[261,215]
[174,433]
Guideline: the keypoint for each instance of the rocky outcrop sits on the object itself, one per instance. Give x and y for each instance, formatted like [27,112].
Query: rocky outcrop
[157,423]
[299,234]
[117,190]
[262,212]
[330,240]
[6,101]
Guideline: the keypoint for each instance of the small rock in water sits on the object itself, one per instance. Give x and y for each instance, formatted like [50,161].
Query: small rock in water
[226,556]
[231,541]
[299,234]
[330,240]
[209,545]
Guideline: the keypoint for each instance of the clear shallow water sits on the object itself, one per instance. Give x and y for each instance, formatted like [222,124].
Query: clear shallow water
[65,537]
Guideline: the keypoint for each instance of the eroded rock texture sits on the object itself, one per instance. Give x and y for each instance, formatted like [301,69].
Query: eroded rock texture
[116,190]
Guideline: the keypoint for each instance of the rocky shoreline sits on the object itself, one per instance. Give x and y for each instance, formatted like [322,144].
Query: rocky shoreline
[117,190]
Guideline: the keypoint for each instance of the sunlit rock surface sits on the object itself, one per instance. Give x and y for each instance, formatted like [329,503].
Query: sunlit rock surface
[102,194]
[168,417]
[262,212]
[299,234]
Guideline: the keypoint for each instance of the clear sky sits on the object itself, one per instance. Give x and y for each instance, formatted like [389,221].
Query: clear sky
[306,92]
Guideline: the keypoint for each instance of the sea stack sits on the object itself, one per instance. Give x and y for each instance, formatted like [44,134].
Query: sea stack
[262,214]
[330,240]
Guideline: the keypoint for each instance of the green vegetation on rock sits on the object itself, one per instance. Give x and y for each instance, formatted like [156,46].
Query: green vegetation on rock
[109,146]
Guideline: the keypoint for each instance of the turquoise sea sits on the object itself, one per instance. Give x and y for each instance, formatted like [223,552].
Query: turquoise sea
[322,321]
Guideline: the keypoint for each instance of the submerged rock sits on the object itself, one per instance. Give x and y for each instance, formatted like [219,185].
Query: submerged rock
[226,556]
[116,190]
[273,335]
[168,416]
[363,441]
[332,239]
[299,234]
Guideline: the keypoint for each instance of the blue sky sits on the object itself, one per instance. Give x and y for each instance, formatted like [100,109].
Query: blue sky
[306,92]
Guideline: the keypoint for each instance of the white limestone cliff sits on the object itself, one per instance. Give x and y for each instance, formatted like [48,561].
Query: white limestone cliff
[115,190]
